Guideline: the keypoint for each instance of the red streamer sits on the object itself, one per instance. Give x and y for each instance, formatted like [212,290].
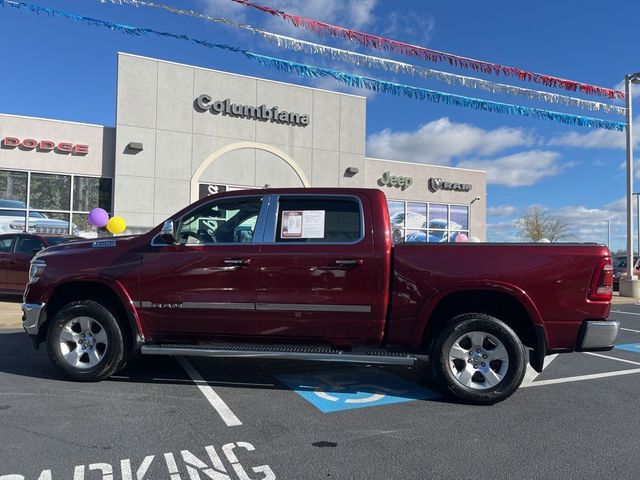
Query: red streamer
[382,43]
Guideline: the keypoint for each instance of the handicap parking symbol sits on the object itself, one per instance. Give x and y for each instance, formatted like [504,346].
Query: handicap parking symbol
[355,388]
[630,347]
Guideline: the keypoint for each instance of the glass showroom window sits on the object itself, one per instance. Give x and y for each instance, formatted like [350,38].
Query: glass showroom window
[427,222]
[51,203]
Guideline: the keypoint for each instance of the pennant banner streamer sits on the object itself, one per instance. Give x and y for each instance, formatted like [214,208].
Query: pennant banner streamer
[128,29]
[382,86]
[369,61]
[345,78]
[382,43]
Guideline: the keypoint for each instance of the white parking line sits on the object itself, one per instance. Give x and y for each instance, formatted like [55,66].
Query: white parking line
[625,313]
[630,330]
[580,378]
[612,358]
[214,399]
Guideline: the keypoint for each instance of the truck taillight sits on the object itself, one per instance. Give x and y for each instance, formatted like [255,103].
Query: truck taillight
[602,283]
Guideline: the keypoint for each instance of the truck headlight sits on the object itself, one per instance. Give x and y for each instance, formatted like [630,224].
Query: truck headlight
[36,270]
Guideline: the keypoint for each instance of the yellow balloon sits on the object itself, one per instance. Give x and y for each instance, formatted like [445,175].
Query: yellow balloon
[116,225]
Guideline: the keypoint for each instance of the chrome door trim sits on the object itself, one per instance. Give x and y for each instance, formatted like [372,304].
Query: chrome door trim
[282,307]
[308,307]
[196,305]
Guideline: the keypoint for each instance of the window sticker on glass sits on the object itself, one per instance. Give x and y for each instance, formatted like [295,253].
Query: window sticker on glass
[302,224]
[313,224]
[291,224]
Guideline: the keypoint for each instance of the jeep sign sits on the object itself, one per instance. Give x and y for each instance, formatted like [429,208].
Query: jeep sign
[266,114]
[395,181]
[436,184]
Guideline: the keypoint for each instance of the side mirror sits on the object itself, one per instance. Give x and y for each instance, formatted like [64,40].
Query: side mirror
[167,233]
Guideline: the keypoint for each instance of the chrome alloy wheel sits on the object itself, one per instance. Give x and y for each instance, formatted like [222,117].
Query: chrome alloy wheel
[478,360]
[83,342]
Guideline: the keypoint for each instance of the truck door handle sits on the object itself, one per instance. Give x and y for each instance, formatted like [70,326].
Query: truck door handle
[237,262]
[349,262]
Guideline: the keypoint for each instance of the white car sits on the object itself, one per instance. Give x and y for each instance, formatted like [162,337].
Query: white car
[12,221]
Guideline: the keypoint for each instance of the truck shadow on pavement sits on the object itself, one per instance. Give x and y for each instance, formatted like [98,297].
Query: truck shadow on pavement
[18,357]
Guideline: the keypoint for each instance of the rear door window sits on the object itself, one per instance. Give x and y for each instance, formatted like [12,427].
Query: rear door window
[319,220]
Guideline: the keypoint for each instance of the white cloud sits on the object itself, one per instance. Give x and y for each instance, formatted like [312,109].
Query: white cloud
[586,224]
[439,141]
[349,13]
[520,169]
[414,28]
[501,211]
[597,138]
[592,139]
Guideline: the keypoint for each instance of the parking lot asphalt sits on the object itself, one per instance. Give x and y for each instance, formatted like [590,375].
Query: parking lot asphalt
[179,418]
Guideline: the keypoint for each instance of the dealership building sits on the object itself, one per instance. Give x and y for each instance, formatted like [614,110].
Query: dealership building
[184,132]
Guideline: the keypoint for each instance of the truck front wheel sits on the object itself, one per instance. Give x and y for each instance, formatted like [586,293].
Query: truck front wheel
[478,359]
[85,341]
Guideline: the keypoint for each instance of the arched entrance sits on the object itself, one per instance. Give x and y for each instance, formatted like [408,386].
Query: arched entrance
[239,146]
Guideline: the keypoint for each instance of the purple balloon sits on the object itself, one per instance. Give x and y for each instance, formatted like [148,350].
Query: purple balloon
[98,217]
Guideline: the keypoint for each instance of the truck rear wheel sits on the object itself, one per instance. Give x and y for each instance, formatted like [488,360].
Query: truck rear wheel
[478,359]
[85,341]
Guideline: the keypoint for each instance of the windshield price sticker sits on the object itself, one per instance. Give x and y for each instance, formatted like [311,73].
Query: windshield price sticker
[302,224]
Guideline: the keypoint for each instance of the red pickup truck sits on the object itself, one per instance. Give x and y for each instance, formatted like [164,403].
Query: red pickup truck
[312,274]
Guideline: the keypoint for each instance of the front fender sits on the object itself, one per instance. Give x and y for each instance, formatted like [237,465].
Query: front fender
[116,287]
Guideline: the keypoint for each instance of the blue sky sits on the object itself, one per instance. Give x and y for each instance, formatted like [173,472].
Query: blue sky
[60,69]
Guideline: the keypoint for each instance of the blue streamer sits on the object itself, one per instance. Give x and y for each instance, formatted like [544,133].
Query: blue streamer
[382,86]
[120,27]
[348,79]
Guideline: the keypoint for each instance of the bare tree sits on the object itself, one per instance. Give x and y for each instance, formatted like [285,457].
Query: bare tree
[537,224]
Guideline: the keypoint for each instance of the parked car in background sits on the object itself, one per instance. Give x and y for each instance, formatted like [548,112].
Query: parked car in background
[410,221]
[620,268]
[12,221]
[437,232]
[16,252]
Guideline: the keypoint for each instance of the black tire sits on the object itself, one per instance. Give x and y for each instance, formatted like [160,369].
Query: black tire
[491,381]
[109,351]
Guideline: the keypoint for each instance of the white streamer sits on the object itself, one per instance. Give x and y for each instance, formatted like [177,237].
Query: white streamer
[394,66]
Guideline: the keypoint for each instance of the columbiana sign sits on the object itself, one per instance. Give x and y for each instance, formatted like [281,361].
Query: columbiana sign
[263,113]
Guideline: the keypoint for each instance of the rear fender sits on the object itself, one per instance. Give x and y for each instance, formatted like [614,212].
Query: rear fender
[518,294]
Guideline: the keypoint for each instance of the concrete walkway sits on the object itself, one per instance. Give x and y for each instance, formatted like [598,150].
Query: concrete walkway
[10,312]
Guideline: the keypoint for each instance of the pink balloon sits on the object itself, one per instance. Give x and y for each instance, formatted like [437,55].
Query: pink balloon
[462,238]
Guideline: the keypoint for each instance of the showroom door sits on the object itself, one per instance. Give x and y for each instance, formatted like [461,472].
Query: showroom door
[204,286]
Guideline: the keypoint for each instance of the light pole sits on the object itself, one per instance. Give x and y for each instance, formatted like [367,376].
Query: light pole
[609,234]
[628,80]
[637,195]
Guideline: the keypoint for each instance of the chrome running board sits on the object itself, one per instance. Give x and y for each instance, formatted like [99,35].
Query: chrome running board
[283,352]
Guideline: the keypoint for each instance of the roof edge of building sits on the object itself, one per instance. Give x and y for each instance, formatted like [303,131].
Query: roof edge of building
[404,162]
[29,117]
[239,75]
